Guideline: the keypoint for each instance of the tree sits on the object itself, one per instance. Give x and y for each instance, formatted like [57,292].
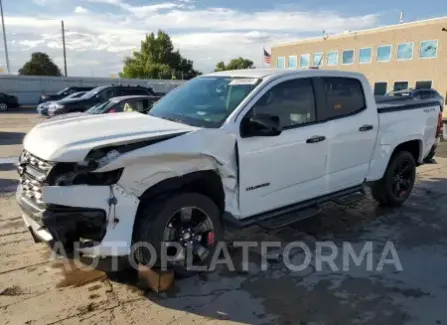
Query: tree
[235,64]
[157,59]
[40,65]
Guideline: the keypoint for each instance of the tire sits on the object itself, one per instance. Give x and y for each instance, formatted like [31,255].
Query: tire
[3,107]
[431,154]
[384,190]
[157,217]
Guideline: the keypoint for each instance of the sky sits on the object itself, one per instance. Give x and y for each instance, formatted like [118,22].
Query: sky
[101,33]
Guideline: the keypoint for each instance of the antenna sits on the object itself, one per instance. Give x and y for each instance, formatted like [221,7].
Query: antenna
[321,59]
[401,18]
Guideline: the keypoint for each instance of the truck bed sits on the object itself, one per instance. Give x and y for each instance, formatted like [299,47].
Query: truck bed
[392,104]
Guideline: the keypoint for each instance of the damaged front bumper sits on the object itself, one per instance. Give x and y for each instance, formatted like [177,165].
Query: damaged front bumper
[83,217]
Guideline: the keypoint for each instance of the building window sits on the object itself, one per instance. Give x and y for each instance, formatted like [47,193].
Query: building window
[384,53]
[405,51]
[332,58]
[428,49]
[304,60]
[365,55]
[348,57]
[318,59]
[423,84]
[292,61]
[380,88]
[281,62]
[400,85]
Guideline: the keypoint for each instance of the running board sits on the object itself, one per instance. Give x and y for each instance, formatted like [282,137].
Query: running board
[293,213]
[350,199]
[289,218]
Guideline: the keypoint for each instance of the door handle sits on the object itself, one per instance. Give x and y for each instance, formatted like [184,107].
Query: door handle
[366,127]
[315,139]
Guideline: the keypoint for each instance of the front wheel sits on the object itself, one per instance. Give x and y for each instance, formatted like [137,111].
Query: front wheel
[396,185]
[187,224]
[3,107]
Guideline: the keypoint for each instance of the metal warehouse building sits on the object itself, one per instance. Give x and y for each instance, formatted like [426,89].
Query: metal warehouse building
[407,55]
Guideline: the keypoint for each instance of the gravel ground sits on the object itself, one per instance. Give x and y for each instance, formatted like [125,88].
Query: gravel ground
[36,289]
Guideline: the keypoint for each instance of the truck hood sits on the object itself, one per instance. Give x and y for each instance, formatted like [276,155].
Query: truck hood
[71,139]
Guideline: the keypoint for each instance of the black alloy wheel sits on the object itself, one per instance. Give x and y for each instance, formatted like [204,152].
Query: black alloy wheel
[403,179]
[193,229]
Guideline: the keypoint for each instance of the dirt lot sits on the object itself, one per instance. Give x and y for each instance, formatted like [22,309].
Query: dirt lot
[37,290]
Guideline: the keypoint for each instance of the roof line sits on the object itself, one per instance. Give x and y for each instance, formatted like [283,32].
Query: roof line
[346,34]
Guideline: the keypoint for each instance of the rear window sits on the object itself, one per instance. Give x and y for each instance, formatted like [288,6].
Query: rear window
[344,96]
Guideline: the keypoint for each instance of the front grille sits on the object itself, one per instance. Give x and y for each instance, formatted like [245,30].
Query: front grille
[33,173]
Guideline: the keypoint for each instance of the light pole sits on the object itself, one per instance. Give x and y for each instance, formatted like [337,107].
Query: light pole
[4,39]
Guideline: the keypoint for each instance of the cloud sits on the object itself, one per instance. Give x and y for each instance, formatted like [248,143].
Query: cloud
[81,10]
[99,38]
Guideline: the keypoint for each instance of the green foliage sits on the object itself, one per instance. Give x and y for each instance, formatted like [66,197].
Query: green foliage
[40,65]
[157,59]
[235,64]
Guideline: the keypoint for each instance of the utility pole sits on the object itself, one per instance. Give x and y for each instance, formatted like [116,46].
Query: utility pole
[63,45]
[4,39]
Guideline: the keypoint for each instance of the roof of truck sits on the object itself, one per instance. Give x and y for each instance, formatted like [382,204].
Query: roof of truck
[263,73]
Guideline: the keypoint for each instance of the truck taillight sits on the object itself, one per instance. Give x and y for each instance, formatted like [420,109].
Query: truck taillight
[439,129]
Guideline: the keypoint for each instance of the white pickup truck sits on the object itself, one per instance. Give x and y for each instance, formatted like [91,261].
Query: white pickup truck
[246,146]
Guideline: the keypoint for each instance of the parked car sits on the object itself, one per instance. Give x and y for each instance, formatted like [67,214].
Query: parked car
[8,101]
[245,146]
[421,93]
[63,93]
[95,96]
[138,103]
[42,109]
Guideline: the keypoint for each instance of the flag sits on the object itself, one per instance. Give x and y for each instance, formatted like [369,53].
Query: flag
[267,57]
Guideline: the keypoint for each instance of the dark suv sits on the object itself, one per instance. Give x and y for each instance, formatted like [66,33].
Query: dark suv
[421,93]
[94,97]
[63,93]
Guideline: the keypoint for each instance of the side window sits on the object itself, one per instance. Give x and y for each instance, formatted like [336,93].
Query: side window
[293,101]
[130,105]
[108,93]
[424,94]
[344,96]
[127,91]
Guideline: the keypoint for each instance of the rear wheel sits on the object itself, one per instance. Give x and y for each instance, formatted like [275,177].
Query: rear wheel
[396,185]
[3,107]
[188,224]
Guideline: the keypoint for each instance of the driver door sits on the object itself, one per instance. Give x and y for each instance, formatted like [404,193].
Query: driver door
[276,171]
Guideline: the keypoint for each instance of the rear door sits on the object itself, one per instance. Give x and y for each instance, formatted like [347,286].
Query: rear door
[352,132]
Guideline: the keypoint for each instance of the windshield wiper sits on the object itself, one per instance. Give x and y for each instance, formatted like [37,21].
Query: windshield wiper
[172,119]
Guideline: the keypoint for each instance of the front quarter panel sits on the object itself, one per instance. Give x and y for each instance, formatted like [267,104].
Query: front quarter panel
[203,149]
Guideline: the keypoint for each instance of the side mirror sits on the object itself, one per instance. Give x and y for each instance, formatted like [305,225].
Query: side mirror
[262,125]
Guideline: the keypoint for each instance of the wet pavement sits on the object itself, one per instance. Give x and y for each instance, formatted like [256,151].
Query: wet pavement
[406,288]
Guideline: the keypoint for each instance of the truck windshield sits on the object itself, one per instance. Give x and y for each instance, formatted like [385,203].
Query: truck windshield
[204,101]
